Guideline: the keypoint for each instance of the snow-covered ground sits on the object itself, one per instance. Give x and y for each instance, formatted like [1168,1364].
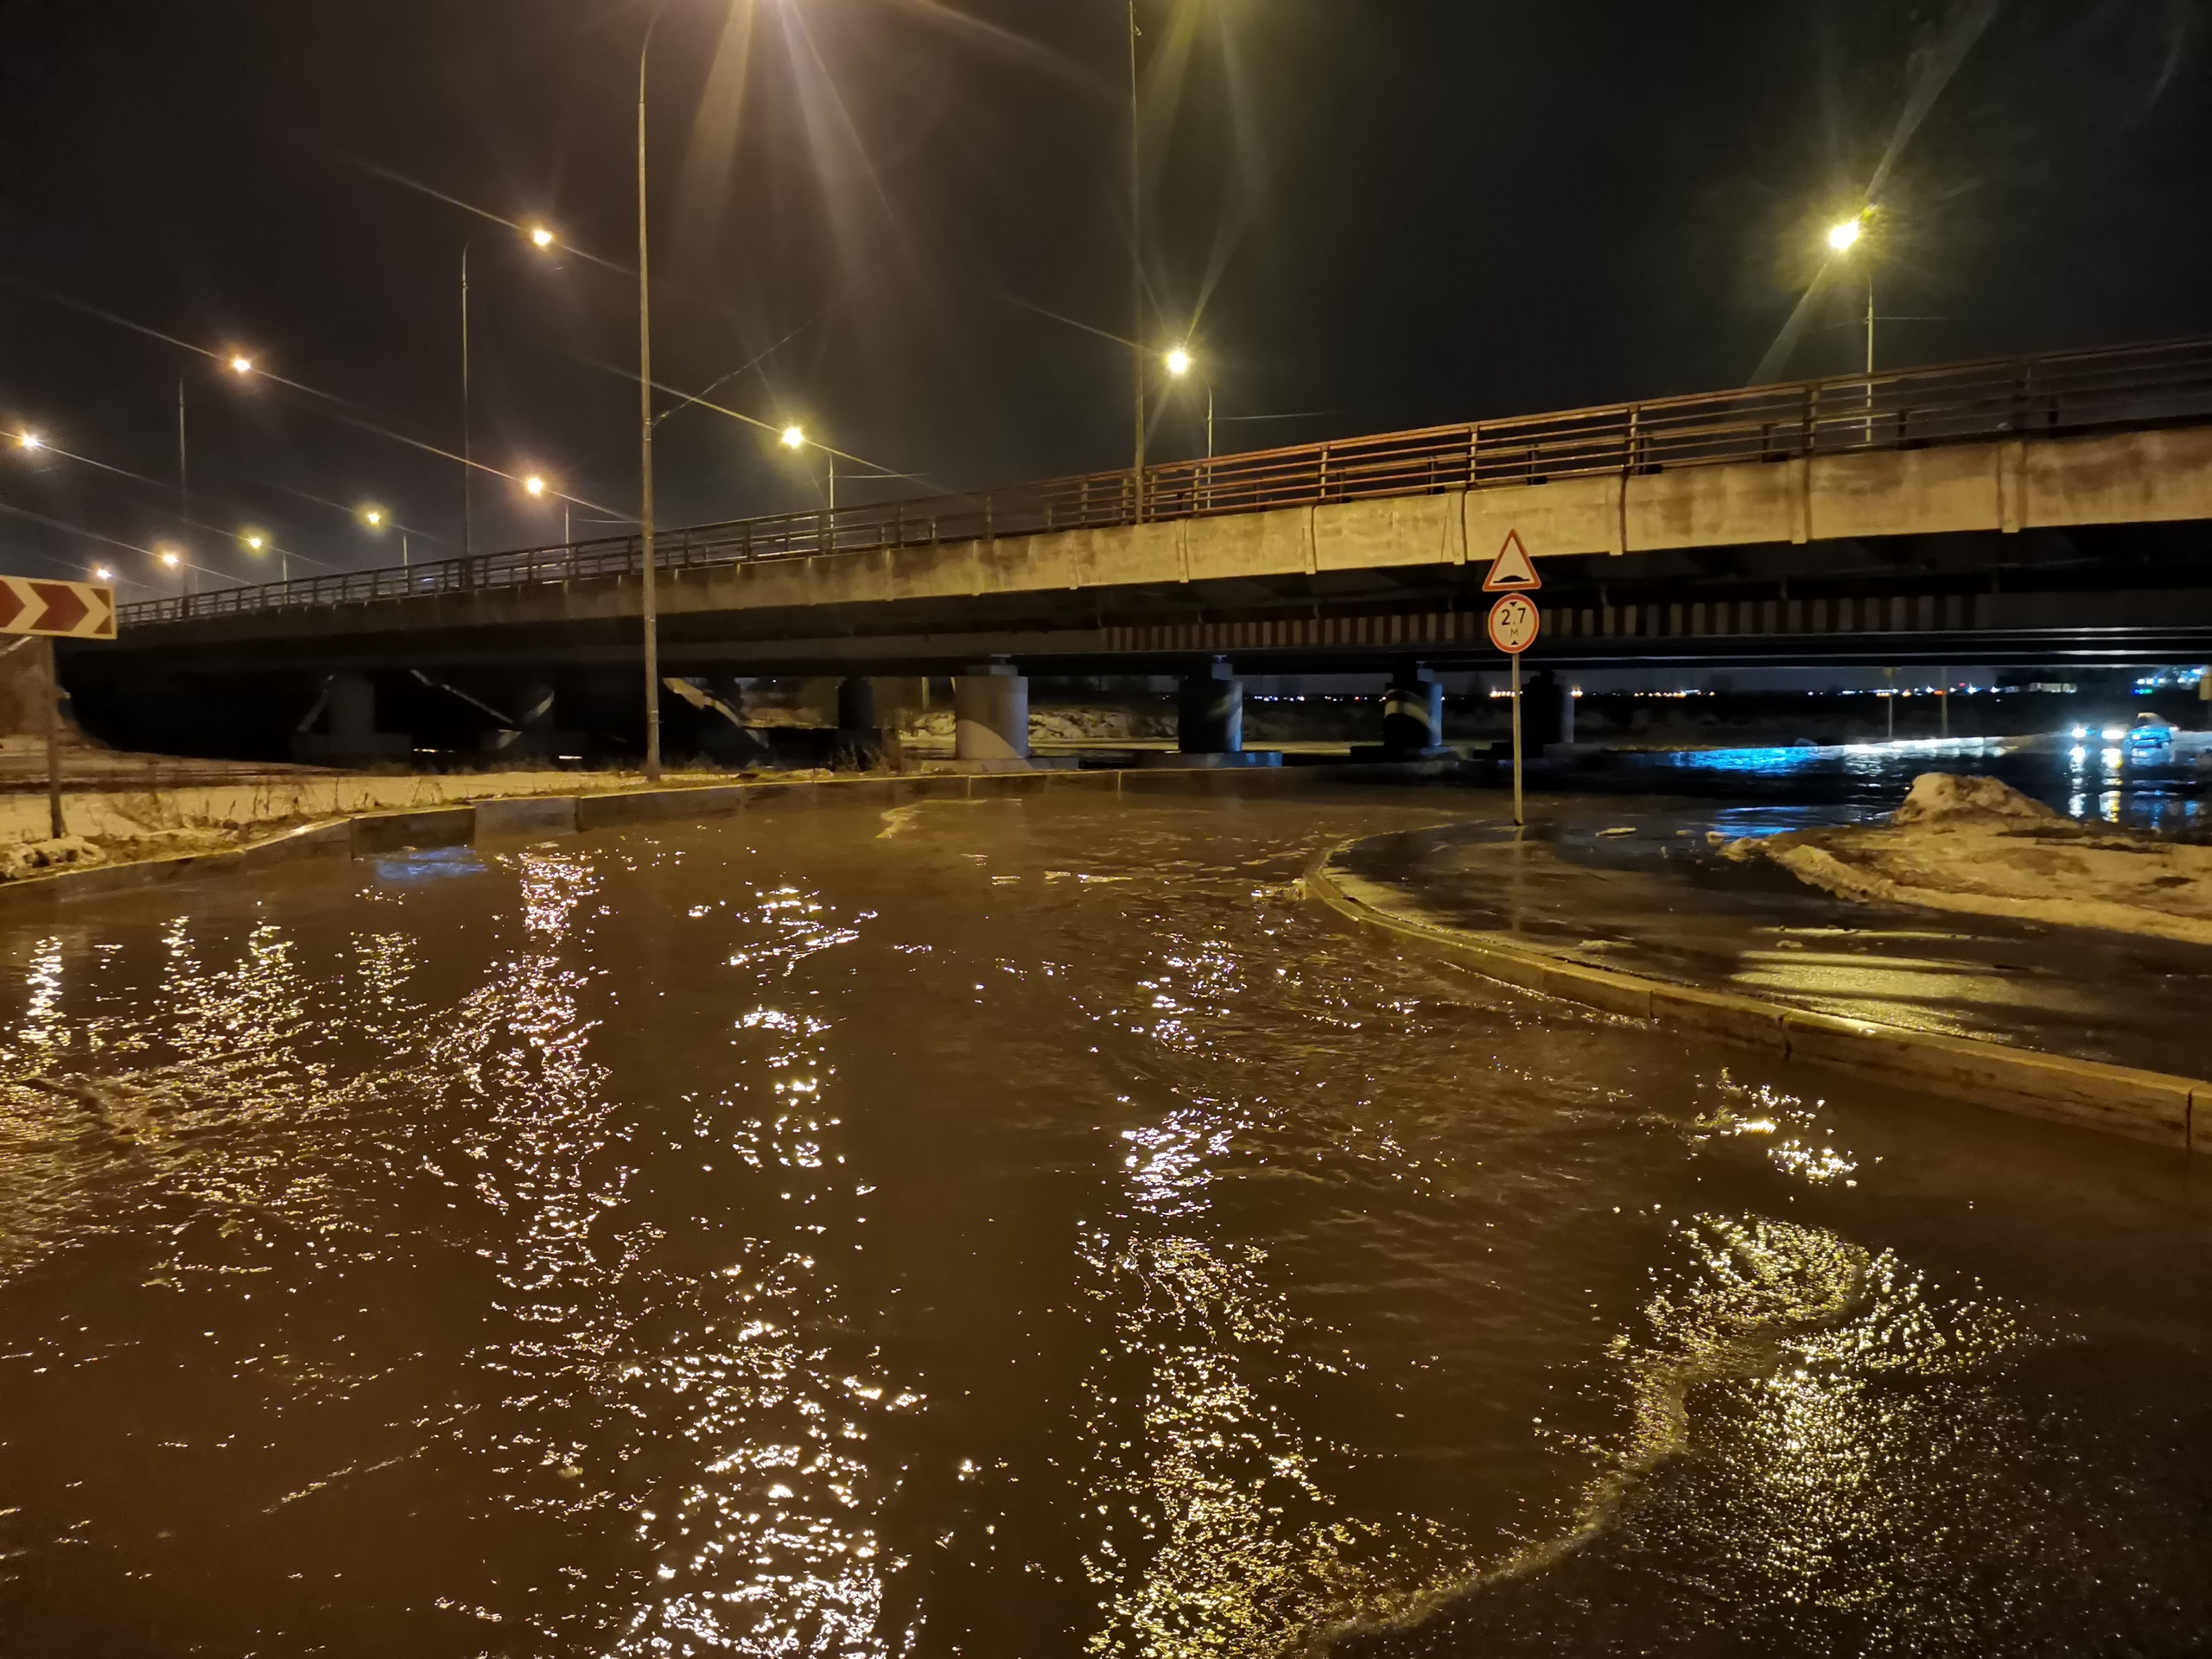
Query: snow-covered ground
[111,825]
[1975,845]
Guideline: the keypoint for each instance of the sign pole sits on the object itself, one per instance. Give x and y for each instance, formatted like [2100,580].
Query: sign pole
[52,741]
[49,611]
[1518,822]
[1515,622]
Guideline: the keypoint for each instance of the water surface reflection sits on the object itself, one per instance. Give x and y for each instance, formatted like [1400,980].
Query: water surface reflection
[1023,1227]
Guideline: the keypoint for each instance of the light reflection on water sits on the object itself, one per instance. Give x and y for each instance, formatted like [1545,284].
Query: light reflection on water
[778,1239]
[2155,788]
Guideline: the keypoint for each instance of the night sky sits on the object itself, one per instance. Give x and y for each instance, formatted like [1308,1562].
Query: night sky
[904,223]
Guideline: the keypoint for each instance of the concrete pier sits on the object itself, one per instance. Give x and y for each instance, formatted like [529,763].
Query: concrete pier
[1412,714]
[529,703]
[1210,711]
[860,739]
[991,712]
[351,737]
[1547,711]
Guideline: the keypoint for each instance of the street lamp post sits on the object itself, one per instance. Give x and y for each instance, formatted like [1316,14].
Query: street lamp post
[183,472]
[468,447]
[1843,235]
[257,541]
[649,598]
[1137,271]
[376,519]
[537,488]
[795,438]
[542,239]
[1179,363]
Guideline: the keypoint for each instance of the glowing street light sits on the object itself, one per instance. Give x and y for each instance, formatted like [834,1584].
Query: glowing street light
[172,560]
[257,541]
[794,438]
[541,237]
[241,363]
[101,572]
[1179,363]
[375,519]
[29,441]
[1845,235]
[537,487]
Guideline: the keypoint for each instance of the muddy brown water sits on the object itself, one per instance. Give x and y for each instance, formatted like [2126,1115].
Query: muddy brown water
[1024,1228]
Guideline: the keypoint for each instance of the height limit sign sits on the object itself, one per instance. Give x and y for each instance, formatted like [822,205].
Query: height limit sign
[1513,625]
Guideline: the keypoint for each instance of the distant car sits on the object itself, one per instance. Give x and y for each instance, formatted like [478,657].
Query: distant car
[2150,732]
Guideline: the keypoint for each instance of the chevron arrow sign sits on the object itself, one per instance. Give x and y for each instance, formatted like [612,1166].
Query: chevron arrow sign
[63,610]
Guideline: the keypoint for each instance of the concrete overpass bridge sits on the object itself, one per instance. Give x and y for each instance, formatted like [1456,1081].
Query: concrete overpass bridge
[2045,509]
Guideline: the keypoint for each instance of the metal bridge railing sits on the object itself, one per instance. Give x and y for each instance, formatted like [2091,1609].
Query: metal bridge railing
[2162,382]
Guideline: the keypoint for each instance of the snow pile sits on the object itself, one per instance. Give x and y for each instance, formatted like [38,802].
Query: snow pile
[1944,798]
[1973,845]
[40,857]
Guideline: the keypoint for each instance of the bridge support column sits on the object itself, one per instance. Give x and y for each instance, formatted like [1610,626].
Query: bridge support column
[353,706]
[859,740]
[529,703]
[1547,711]
[1412,714]
[1210,711]
[349,705]
[990,713]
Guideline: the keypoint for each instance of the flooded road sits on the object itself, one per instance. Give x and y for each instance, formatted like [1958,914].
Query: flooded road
[1645,886]
[1023,1227]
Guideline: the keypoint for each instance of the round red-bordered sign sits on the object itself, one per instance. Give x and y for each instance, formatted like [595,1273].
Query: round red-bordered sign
[1513,623]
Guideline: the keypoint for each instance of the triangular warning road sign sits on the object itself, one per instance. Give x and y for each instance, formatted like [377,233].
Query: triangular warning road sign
[1512,570]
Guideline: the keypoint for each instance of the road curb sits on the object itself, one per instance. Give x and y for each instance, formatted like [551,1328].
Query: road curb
[2169,1111]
